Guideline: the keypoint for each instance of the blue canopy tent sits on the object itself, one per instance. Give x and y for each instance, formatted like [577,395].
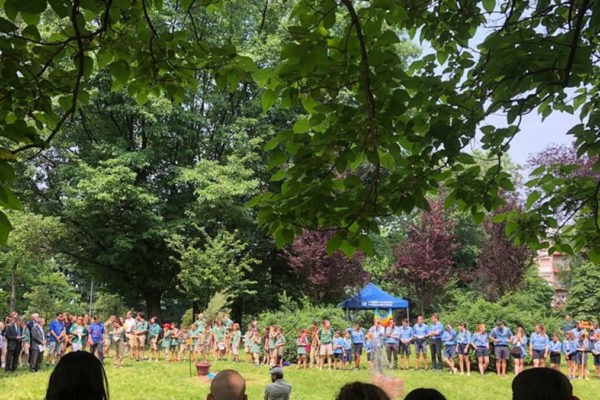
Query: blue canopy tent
[371,297]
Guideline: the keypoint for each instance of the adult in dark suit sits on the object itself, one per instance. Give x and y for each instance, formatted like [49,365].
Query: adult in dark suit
[14,336]
[32,321]
[38,338]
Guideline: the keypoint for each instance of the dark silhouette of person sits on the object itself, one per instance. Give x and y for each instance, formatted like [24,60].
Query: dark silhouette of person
[78,376]
[542,384]
[361,391]
[424,394]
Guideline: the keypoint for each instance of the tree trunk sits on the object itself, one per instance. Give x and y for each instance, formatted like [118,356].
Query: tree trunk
[152,299]
[13,288]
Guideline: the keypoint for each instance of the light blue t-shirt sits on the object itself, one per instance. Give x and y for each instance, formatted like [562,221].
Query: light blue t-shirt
[463,337]
[394,335]
[480,339]
[555,347]
[539,342]
[577,333]
[521,345]
[420,330]
[347,344]
[503,336]
[437,327]
[406,333]
[338,342]
[449,337]
[358,336]
[569,346]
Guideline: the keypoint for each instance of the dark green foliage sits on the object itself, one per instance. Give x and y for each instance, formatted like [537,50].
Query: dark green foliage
[294,316]
[583,296]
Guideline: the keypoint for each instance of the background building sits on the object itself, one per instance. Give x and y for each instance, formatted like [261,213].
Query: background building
[550,266]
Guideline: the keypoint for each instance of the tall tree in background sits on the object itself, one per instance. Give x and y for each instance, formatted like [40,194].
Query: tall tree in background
[502,263]
[583,296]
[424,261]
[327,276]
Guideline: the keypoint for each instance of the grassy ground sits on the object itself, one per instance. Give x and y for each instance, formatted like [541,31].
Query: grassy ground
[157,381]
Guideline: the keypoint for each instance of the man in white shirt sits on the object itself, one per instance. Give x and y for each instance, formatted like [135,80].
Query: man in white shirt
[129,326]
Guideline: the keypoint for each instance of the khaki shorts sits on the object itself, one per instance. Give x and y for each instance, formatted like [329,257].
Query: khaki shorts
[235,350]
[154,343]
[131,340]
[326,349]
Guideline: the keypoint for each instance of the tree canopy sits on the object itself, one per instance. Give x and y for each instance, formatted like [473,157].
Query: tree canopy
[375,133]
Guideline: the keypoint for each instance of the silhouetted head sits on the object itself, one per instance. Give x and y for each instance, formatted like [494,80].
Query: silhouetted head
[542,384]
[361,391]
[228,385]
[78,376]
[424,394]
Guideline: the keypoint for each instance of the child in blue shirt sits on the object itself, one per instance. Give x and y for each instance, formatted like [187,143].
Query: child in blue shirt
[463,342]
[570,350]
[348,350]
[519,341]
[481,343]
[582,356]
[449,341]
[555,352]
[539,346]
[338,351]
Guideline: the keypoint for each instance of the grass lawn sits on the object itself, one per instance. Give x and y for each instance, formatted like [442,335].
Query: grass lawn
[158,381]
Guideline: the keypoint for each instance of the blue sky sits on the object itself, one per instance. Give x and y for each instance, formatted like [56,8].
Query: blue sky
[536,135]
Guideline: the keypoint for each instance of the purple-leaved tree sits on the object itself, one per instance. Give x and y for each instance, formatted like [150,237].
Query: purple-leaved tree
[424,263]
[326,277]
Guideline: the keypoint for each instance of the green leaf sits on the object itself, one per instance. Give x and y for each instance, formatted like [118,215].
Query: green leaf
[6,25]
[348,249]
[119,70]
[262,76]
[7,173]
[365,244]
[489,5]
[499,218]
[301,126]
[8,199]
[29,6]
[65,102]
[269,98]
[30,19]
[594,255]
[60,7]
[88,65]
[532,198]
[5,228]
[333,244]
[278,176]
[271,144]
[31,32]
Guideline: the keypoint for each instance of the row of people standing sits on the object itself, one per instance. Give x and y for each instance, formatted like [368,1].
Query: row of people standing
[445,344]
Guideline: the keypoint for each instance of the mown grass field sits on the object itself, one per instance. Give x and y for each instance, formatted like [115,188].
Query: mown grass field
[159,381]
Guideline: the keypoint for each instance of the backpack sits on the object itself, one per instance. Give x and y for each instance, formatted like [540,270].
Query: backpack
[161,334]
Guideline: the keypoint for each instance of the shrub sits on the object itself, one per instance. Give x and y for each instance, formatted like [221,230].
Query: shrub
[293,317]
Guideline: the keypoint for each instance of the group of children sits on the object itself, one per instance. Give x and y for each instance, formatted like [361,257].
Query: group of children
[221,338]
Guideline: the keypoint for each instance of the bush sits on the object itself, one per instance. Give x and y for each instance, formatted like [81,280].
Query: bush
[293,317]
